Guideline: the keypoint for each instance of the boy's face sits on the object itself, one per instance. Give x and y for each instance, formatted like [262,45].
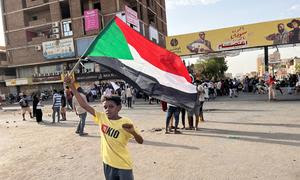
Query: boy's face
[111,109]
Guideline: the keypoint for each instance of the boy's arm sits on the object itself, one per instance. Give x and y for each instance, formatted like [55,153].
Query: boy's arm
[80,100]
[130,129]
[138,138]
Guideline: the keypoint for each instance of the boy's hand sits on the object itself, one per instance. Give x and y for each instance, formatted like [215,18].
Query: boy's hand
[69,79]
[129,128]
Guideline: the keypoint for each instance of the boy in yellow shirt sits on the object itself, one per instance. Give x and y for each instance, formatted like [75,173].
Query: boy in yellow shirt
[115,134]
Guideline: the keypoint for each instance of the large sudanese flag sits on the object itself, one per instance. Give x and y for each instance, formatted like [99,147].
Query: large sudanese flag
[143,64]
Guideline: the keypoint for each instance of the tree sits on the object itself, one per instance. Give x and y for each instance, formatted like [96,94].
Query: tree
[213,68]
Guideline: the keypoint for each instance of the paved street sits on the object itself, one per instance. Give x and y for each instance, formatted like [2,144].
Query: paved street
[243,138]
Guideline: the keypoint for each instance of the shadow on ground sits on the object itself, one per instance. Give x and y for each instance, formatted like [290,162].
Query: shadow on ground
[271,138]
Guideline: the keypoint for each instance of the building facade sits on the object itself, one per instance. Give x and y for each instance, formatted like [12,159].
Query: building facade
[5,73]
[281,68]
[45,38]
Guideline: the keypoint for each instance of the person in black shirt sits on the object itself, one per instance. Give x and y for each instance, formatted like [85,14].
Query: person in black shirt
[63,106]
[294,35]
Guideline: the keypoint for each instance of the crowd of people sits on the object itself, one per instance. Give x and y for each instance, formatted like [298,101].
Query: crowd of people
[207,90]
[233,87]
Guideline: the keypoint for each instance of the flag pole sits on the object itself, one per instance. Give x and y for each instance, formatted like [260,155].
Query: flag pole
[75,66]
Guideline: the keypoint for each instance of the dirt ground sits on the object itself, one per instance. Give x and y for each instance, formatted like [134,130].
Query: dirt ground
[240,140]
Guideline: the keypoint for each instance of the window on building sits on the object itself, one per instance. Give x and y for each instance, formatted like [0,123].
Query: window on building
[2,57]
[152,18]
[151,3]
[161,13]
[65,9]
[10,71]
[34,18]
[67,28]
[153,34]
[142,29]
[51,69]
[97,5]
[23,4]
[141,12]
[84,4]
[26,72]
[88,67]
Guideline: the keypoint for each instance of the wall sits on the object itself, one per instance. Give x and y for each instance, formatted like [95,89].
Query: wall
[26,55]
[12,5]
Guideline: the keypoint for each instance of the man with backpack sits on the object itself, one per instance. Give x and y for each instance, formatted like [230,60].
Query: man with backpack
[25,107]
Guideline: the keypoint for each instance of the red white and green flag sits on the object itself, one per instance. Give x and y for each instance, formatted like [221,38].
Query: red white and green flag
[143,64]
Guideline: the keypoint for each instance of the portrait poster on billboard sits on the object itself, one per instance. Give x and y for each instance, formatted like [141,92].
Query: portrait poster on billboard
[62,48]
[239,37]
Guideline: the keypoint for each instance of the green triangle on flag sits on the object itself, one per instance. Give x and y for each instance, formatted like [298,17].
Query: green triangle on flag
[110,43]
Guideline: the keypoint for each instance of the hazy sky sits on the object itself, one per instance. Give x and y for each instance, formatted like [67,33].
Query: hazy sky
[186,16]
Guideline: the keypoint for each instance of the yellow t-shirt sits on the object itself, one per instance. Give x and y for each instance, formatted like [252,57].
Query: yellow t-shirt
[114,141]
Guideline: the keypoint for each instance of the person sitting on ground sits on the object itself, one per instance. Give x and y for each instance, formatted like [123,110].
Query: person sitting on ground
[115,134]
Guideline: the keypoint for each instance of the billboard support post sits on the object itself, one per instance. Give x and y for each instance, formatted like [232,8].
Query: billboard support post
[266,50]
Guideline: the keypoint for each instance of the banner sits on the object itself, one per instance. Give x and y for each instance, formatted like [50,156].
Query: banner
[239,37]
[91,19]
[132,17]
[62,48]
[18,82]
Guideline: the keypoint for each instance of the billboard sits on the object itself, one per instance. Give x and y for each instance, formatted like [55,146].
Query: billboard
[62,48]
[91,19]
[245,36]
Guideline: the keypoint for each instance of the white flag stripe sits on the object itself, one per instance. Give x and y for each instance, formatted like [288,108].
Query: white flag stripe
[163,77]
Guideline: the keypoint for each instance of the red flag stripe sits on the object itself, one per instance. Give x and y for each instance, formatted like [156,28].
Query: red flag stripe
[154,54]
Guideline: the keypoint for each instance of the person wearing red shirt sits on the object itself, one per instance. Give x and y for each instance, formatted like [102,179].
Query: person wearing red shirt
[271,84]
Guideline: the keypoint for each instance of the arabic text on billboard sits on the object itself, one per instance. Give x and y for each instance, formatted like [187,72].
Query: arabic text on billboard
[246,36]
[62,48]
[91,18]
